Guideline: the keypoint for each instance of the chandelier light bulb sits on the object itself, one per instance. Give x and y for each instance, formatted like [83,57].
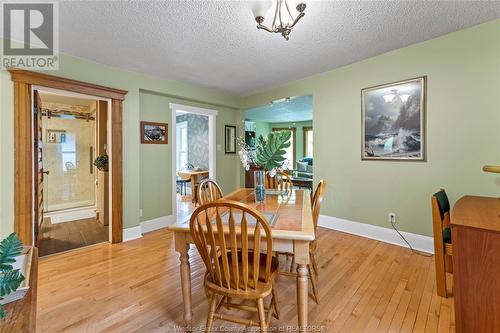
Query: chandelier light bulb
[259,8]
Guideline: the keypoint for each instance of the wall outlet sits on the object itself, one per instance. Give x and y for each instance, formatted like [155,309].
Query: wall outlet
[392,218]
[140,212]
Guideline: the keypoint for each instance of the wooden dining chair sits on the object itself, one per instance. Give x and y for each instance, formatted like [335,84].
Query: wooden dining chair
[228,236]
[208,191]
[443,249]
[312,268]
[280,181]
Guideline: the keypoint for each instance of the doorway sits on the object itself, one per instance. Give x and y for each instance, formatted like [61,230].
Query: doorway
[193,155]
[294,114]
[72,133]
[28,176]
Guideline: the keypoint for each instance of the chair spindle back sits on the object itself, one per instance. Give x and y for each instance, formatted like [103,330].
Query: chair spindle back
[225,245]
[281,181]
[209,191]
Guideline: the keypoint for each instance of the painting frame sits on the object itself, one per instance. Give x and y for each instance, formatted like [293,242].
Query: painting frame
[422,157]
[227,149]
[144,129]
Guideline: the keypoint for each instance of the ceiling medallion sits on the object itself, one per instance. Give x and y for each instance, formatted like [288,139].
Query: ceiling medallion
[284,20]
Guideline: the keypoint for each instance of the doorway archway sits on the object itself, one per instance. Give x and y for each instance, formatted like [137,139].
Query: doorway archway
[24,196]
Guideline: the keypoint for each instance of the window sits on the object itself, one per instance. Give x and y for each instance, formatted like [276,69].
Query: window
[290,151]
[68,151]
[308,142]
[182,145]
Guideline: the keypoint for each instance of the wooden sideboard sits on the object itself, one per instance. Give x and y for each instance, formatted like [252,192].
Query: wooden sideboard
[20,316]
[475,232]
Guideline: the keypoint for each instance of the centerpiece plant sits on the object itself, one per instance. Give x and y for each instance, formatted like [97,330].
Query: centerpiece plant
[268,155]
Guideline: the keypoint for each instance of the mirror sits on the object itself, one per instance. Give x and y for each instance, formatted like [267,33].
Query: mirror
[230,139]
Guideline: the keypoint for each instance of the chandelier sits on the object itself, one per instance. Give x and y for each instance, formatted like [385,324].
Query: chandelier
[284,19]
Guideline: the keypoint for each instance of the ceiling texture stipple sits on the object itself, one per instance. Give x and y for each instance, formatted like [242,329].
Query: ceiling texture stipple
[216,44]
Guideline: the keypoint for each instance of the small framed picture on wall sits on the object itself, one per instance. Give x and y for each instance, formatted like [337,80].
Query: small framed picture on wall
[393,121]
[230,139]
[154,133]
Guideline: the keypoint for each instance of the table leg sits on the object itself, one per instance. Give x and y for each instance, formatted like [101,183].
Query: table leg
[302,295]
[301,251]
[193,194]
[182,247]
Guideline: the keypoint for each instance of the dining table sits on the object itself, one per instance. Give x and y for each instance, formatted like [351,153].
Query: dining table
[192,175]
[292,230]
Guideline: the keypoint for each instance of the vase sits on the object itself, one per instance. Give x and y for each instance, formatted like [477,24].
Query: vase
[259,185]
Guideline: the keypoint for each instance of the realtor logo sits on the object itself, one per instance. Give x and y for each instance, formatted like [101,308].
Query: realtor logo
[30,35]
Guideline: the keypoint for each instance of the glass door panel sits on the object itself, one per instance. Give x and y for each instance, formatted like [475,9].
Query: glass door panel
[68,156]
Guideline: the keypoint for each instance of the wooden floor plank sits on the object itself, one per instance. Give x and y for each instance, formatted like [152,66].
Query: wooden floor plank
[364,285]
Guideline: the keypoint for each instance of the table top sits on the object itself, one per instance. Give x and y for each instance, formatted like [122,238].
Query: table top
[193,172]
[293,213]
[477,212]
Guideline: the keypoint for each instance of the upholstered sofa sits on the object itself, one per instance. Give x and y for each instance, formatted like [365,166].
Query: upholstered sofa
[304,167]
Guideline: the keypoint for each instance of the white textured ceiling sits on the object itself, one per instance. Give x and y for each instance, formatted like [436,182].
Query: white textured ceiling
[283,111]
[216,44]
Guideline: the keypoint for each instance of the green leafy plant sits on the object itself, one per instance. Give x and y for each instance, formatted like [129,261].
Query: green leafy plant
[269,153]
[271,150]
[102,162]
[10,278]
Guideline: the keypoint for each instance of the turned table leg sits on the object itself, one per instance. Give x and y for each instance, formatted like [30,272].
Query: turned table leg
[182,247]
[302,294]
[301,250]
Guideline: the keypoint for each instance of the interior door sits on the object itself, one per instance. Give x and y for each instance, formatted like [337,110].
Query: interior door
[38,164]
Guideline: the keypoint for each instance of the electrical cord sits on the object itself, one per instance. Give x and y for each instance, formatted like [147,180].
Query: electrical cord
[409,245]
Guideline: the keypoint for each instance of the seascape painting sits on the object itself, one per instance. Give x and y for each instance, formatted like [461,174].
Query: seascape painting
[393,121]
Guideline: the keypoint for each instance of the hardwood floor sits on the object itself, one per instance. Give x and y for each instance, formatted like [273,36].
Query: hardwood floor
[365,286]
[60,237]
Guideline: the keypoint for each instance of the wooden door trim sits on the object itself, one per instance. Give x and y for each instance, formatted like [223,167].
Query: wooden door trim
[33,78]
[23,147]
[23,163]
[305,129]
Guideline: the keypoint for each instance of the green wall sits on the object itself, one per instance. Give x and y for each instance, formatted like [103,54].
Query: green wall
[156,163]
[261,128]
[134,83]
[463,128]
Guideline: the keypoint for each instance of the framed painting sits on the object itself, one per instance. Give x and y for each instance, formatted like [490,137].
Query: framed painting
[393,121]
[154,133]
[230,139]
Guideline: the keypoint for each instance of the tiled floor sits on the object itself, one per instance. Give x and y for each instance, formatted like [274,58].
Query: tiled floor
[60,237]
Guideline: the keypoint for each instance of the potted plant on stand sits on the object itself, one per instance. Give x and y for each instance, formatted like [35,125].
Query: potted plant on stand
[14,261]
[269,155]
